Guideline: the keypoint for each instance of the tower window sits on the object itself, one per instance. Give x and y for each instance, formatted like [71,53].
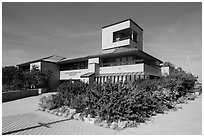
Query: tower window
[125,34]
[134,36]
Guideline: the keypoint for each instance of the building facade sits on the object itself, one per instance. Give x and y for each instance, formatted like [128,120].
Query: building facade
[121,59]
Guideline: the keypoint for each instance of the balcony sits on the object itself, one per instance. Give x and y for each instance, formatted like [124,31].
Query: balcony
[122,68]
[124,35]
[122,63]
[122,38]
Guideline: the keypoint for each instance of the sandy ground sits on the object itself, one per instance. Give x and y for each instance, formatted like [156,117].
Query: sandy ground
[185,121]
[21,106]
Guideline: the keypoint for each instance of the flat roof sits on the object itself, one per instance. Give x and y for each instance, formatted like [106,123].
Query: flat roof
[121,22]
[71,60]
[127,51]
[114,53]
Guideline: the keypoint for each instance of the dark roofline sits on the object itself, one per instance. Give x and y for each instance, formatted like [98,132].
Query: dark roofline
[120,52]
[121,22]
[33,61]
[73,59]
[37,60]
[106,54]
[151,56]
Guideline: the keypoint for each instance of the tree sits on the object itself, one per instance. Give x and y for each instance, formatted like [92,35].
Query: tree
[16,79]
[40,78]
[8,73]
[168,64]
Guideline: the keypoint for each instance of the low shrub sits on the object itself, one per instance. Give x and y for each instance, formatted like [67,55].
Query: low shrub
[135,101]
[70,94]
[122,102]
[47,102]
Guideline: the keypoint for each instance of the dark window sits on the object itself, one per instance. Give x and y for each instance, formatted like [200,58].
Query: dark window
[134,36]
[126,58]
[125,34]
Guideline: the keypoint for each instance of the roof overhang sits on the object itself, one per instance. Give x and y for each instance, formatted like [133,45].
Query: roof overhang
[87,75]
[72,60]
[122,22]
[51,59]
[118,53]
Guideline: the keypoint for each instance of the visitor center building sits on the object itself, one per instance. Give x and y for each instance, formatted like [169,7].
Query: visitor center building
[121,59]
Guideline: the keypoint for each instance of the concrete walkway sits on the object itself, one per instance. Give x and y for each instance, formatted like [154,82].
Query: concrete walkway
[41,123]
[20,106]
[21,117]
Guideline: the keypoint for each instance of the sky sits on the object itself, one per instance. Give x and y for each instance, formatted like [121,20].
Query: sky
[172,31]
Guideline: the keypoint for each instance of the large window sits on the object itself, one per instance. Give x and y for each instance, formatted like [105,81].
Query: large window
[125,34]
[109,62]
[74,66]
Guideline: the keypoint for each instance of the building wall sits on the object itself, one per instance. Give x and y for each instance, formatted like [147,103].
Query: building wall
[35,64]
[152,70]
[55,75]
[116,61]
[73,74]
[107,34]
[139,44]
[123,68]
[120,43]
[93,60]
[93,65]
[166,71]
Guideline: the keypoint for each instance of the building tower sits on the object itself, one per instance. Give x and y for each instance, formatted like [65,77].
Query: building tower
[123,34]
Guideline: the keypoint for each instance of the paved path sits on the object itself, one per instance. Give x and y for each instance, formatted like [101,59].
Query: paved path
[41,123]
[185,121]
[20,106]
[21,117]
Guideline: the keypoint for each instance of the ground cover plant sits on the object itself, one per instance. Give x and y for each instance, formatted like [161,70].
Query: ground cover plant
[120,105]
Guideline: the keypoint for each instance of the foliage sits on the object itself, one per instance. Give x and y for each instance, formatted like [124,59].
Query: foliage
[39,78]
[8,73]
[135,101]
[47,102]
[180,81]
[70,93]
[120,102]
[16,79]
[168,64]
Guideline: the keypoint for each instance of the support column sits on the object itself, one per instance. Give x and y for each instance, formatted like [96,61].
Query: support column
[124,78]
[120,78]
[97,79]
[116,79]
[102,79]
[105,78]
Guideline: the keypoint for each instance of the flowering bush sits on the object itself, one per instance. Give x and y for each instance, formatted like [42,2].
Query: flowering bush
[47,102]
[119,102]
[70,94]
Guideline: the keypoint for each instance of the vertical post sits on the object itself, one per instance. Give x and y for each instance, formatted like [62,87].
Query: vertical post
[105,77]
[116,78]
[132,34]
